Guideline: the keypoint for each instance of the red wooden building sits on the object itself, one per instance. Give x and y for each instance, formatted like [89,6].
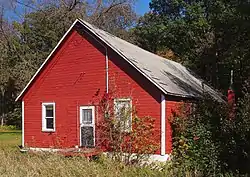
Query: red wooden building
[57,103]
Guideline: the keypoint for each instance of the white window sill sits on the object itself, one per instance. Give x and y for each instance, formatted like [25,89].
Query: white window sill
[48,130]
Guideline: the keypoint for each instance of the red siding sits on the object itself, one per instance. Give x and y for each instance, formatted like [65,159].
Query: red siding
[145,96]
[172,105]
[71,79]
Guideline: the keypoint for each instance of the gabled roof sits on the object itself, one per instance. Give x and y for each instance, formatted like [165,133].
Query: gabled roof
[170,77]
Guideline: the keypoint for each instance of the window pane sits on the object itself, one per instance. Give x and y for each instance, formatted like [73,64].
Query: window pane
[123,114]
[87,136]
[49,111]
[123,109]
[49,123]
[87,116]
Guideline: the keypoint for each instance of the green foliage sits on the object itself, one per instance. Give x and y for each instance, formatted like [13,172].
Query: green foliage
[196,138]
[212,139]
[238,157]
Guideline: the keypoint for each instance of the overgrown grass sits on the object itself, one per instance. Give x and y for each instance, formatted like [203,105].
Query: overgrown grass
[16,164]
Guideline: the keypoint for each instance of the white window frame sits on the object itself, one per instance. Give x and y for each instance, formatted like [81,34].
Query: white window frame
[87,125]
[44,128]
[130,102]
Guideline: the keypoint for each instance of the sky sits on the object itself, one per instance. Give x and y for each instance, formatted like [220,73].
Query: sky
[141,7]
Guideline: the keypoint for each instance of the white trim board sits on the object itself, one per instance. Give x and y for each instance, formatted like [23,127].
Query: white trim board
[149,157]
[163,125]
[43,149]
[22,123]
[107,70]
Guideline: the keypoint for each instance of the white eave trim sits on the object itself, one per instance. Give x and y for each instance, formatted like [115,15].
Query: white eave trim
[37,72]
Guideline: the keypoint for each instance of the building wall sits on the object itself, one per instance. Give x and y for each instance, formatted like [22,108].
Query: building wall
[74,77]
[173,105]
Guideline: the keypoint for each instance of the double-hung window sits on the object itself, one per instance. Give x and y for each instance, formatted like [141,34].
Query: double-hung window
[123,114]
[48,116]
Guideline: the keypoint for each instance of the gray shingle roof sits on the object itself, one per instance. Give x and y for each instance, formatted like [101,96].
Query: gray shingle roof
[169,76]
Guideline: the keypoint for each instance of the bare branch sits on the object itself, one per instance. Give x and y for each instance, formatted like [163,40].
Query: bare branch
[108,9]
[26,5]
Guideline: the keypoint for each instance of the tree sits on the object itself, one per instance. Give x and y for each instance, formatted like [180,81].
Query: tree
[7,82]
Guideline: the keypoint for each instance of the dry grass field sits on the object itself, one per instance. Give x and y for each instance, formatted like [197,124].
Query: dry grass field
[16,164]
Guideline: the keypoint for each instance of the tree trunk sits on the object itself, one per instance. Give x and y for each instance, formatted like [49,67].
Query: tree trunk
[2,121]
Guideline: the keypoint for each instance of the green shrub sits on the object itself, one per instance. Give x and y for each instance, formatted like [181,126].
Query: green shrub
[198,138]
[238,158]
[7,127]
[213,140]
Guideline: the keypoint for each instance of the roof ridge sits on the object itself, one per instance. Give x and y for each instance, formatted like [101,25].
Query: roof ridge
[159,57]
